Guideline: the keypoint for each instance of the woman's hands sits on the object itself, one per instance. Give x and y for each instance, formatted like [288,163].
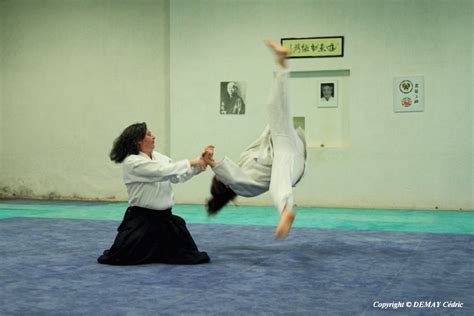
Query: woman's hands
[203,160]
[208,156]
[198,162]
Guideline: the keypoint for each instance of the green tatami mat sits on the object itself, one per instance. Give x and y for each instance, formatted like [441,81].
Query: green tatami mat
[454,222]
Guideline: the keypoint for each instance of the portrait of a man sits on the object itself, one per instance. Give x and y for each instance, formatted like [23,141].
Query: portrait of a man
[327,94]
[232,97]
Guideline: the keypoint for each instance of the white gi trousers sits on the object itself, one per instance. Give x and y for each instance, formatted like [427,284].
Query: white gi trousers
[288,148]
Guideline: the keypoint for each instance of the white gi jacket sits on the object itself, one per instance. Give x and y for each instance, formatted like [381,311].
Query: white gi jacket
[148,181]
[252,174]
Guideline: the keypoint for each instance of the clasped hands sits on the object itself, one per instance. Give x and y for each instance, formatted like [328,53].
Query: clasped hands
[205,159]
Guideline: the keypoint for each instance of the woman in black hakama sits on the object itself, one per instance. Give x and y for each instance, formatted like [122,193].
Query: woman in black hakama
[149,232]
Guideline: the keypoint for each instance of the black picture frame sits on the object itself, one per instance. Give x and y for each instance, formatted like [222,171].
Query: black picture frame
[315,38]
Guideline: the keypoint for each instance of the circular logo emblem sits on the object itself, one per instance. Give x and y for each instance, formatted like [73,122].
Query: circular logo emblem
[406,86]
[406,102]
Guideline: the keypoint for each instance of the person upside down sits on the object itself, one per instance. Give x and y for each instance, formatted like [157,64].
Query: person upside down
[274,162]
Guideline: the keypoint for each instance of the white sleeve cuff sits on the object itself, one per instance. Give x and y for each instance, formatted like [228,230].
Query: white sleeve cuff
[188,163]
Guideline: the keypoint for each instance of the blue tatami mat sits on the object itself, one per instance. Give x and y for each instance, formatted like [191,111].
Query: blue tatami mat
[48,267]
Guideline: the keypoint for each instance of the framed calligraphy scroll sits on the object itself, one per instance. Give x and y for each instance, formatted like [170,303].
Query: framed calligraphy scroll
[314,47]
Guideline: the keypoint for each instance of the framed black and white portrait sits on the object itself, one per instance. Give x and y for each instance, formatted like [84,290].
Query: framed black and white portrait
[232,98]
[327,94]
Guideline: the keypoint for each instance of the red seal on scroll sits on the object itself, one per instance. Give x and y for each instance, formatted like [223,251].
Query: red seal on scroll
[406,102]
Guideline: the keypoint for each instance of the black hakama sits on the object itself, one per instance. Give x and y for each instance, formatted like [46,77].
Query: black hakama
[150,236]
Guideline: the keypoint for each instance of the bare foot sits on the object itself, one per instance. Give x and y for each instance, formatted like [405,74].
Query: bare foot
[284,225]
[280,52]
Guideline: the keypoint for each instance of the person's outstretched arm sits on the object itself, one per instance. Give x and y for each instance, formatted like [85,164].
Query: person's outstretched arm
[230,173]
[198,165]
[140,169]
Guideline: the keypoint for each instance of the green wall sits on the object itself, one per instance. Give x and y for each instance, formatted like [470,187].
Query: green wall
[2,29]
[407,160]
[75,73]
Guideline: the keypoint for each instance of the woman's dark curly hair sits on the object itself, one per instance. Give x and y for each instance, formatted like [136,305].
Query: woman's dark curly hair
[221,195]
[127,143]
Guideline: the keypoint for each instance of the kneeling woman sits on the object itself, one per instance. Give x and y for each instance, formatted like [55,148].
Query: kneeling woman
[149,231]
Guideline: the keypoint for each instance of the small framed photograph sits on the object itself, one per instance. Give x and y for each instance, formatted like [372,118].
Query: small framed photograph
[327,94]
[299,122]
[232,98]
